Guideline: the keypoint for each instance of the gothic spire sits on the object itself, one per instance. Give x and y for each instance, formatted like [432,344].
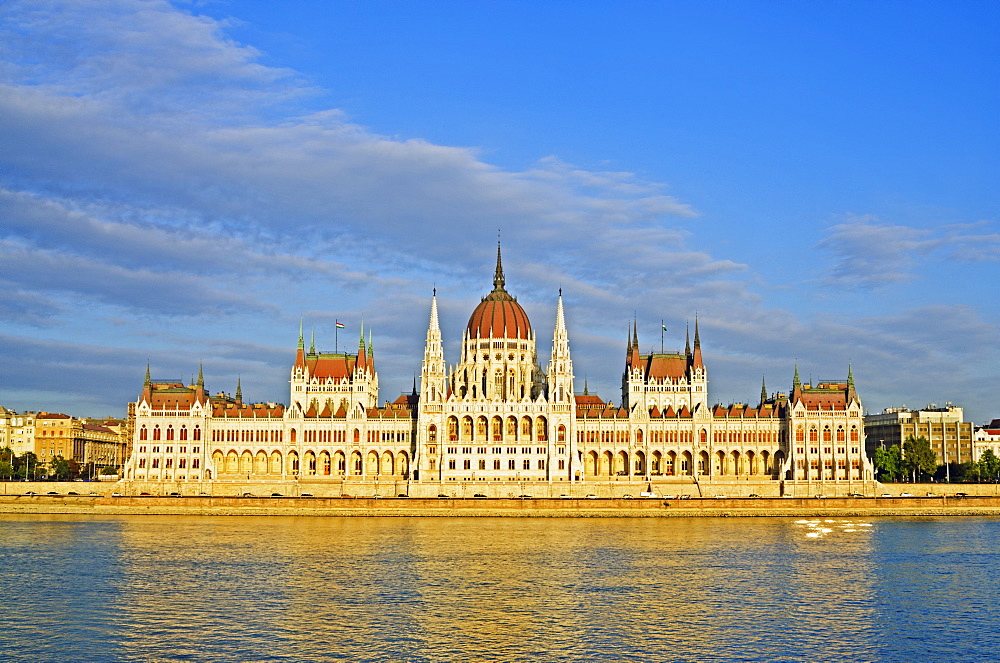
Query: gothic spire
[301,338]
[312,342]
[498,280]
[763,391]
[239,391]
[201,377]
[697,344]
[146,382]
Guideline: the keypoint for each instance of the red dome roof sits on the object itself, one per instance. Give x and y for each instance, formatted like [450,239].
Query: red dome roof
[499,315]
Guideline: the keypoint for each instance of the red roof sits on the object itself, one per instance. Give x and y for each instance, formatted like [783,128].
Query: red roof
[666,366]
[499,317]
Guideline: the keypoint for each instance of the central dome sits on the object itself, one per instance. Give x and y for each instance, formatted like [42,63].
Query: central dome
[499,315]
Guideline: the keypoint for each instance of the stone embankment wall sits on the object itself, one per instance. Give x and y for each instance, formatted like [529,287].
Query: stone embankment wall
[503,507]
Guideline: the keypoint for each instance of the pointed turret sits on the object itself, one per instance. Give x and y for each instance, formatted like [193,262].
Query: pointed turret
[634,360]
[852,394]
[146,383]
[763,391]
[560,370]
[201,377]
[300,352]
[239,392]
[312,342]
[432,372]
[362,354]
[371,353]
[687,341]
[698,363]
[628,345]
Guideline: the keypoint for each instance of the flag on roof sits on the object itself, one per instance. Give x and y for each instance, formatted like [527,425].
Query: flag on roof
[663,327]
[340,325]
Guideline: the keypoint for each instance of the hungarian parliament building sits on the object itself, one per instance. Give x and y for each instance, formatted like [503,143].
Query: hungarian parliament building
[496,418]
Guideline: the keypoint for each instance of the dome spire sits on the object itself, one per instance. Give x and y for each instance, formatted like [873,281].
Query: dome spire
[498,280]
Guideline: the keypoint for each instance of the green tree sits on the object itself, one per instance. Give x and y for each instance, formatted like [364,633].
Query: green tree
[888,463]
[26,465]
[918,457]
[989,465]
[6,463]
[59,468]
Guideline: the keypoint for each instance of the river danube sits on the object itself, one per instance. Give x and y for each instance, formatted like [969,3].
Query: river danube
[249,589]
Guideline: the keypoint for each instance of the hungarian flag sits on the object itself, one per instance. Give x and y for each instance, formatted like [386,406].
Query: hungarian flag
[663,327]
[340,325]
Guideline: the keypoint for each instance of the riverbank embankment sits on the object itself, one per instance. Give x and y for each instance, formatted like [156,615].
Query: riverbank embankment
[938,506]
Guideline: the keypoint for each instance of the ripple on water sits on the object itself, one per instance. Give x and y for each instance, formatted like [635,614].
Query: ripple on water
[438,589]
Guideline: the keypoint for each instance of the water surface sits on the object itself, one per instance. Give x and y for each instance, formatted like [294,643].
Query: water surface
[256,589]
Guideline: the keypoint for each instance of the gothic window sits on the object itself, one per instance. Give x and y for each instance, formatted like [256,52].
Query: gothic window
[467,428]
[143,433]
[481,428]
[540,429]
[452,428]
[561,435]
[432,433]
[156,433]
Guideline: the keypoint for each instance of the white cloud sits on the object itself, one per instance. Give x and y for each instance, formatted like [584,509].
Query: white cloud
[868,253]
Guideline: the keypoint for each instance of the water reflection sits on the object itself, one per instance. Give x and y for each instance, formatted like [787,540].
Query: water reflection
[167,588]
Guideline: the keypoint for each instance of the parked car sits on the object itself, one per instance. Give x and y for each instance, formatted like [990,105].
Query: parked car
[306,495]
[906,494]
[855,495]
[402,495]
[276,495]
[626,496]
[885,495]
[479,495]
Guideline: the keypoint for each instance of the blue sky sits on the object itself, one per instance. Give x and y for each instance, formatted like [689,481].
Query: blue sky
[183,182]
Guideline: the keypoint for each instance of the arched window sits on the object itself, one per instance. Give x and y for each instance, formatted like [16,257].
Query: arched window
[143,433]
[156,433]
[170,432]
[184,433]
[432,433]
